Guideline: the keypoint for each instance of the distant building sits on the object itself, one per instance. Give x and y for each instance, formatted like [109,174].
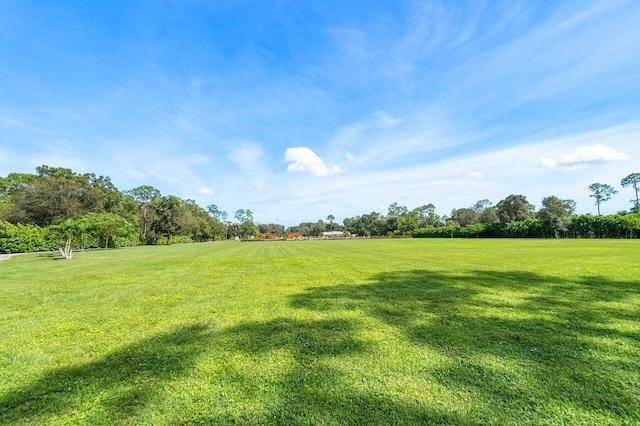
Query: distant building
[332,234]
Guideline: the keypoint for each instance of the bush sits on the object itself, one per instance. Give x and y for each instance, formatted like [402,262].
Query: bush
[23,238]
[612,226]
[175,239]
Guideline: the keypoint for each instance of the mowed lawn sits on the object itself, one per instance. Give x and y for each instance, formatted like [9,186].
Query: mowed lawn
[325,332]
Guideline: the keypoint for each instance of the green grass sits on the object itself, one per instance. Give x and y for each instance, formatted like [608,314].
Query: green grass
[325,332]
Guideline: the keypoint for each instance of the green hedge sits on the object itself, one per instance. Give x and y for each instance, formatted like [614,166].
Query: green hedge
[585,226]
[24,238]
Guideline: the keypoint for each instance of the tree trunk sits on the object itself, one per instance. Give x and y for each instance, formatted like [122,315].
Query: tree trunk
[144,222]
[66,251]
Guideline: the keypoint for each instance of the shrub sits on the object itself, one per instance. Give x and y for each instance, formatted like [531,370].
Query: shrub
[175,239]
[23,238]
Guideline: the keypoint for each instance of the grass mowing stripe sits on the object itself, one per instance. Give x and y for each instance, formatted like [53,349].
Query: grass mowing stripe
[324,332]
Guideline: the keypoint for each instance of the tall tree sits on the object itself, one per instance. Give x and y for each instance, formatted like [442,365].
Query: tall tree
[245,218]
[426,215]
[330,219]
[555,214]
[144,195]
[243,215]
[169,218]
[394,213]
[514,208]
[486,211]
[601,192]
[633,180]
[56,194]
[481,205]
[464,216]
[220,217]
[216,212]
[13,183]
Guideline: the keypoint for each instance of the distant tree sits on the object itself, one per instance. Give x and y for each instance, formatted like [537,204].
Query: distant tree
[556,214]
[271,229]
[106,226]
[633,180]
[601,192]
[221,218]
[396,210]
[144,195]
[56,194]
[490,215]
[113,200]
[426,215]
[394,213]
[216,212]
[464,216]
[243,215]
[487,213]
[247,227]
[318,228]
[169,217]
[303,228]
[368,224]
[9,185]
[514,208]
[481,205]
[330,219]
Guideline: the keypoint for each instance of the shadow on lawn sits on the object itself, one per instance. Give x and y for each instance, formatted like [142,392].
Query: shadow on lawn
[310,390]
[114,387]
[517,348]
[518,341]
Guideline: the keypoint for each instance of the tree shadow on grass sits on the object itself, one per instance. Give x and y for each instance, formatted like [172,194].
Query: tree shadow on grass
[113,388]
[525,347]
[309,389]
[512,348]
[129,385]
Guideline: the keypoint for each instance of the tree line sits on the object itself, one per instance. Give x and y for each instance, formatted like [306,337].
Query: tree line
[513,216]
[56,208]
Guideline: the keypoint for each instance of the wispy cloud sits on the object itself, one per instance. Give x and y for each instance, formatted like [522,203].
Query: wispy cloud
[423,100]
[354,159]
[584,155]
[249,156]
[460,181]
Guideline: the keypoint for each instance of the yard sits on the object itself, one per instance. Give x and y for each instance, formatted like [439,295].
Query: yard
[325,332]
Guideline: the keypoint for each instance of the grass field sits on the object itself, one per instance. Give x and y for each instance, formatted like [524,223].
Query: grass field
[325,332]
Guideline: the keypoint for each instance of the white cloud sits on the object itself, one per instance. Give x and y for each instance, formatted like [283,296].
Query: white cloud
[476,175]
[447,183]
[205,191]
[303,159]
[584,155]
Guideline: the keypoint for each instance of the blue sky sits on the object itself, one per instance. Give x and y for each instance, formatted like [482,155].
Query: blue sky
[301,109]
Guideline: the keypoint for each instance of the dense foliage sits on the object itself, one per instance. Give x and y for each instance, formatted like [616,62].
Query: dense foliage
[59,208]
[24,238]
